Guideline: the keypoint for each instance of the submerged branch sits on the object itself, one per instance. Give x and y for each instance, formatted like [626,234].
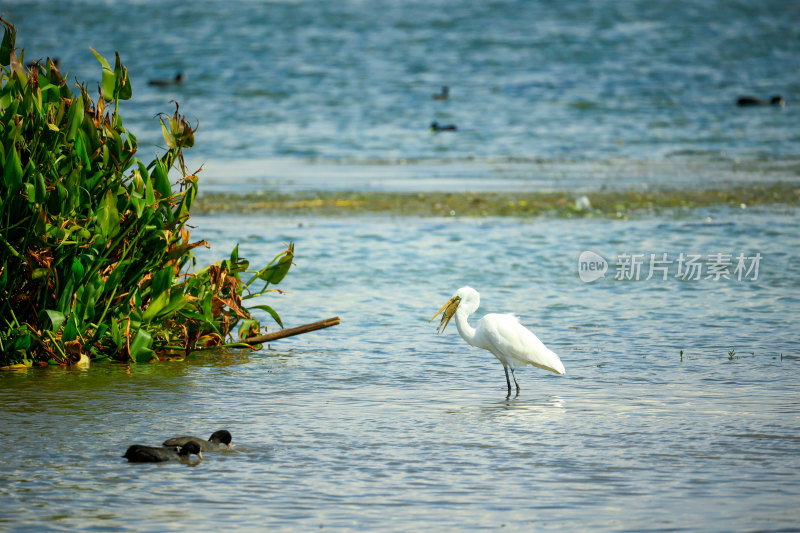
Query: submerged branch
[261,339]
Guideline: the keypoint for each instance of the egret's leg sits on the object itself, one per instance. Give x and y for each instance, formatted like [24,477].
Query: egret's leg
[508,381]
[515,381]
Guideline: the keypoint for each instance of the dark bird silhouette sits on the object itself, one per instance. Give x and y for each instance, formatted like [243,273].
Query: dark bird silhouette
[749,101]
[177,80]
[219,440]
[444,95]
[435,126]
[43,62]
[150,454]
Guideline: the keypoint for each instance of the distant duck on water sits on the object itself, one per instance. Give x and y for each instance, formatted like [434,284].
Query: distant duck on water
[177,80]
[435,126]
[750,101]
[444,95]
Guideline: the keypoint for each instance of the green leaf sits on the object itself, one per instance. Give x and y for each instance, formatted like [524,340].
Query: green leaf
[53,74]
[176,302]
[149,195]
[162,281]
[108,216]
[77,270]
[9,37]
[161,180]
[188,197]
[271,312]
[40,188]
[75,117]
[56,319]
[168,137]
[109,80]
[140,347]
[116,333]
[121,74]
[16,68]
[156,306]
[22,343]
[12,170]
[274,274]
[81,152]
[30,192]
[70,329]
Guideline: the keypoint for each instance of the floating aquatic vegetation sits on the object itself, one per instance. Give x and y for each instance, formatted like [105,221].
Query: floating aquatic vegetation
[95,255]
[601,204]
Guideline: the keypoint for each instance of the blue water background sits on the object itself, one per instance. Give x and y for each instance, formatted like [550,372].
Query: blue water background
[546,94]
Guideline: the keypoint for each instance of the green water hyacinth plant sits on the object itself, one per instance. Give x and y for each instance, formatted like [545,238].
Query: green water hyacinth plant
[96,260]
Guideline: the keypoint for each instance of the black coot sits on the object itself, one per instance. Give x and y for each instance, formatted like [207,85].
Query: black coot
[150,454]
[749,101]
[177,80]
[219,440]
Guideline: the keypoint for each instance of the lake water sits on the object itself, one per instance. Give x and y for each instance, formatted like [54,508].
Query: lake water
[379,423]
[319,94]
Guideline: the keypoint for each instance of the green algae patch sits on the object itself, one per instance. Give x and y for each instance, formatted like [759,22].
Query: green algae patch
[613,204]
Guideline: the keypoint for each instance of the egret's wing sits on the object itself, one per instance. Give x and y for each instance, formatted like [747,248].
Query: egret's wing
[509,340]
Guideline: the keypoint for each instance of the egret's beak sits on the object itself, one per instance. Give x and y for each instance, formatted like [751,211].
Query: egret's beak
[449,310]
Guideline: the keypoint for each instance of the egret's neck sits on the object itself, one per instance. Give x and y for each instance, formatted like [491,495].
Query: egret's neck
[466,331]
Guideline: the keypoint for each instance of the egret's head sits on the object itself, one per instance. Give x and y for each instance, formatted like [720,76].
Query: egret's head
[449,310]
[466,296]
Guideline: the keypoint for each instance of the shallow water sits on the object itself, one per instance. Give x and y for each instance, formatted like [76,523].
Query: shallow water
[380,424]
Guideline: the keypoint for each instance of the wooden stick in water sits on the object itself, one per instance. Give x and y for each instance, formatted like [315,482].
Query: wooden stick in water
[260,339]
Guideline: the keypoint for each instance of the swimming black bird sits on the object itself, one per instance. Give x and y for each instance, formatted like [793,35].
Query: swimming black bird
[177,80]
[219,440]
[150,454]
[446,127]
[748,101]
[444,95]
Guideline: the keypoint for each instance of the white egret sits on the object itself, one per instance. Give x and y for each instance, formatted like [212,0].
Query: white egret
[511,342]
